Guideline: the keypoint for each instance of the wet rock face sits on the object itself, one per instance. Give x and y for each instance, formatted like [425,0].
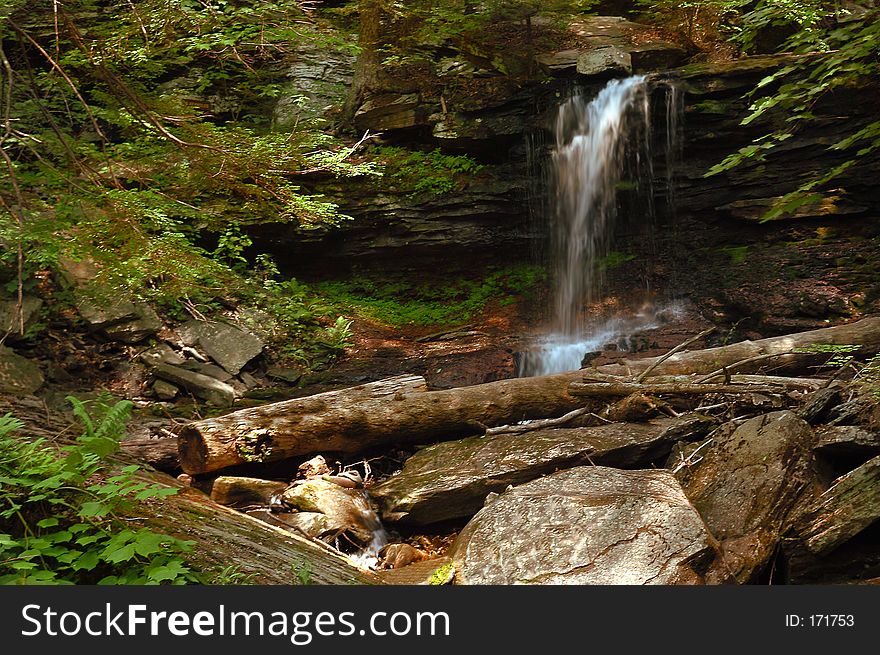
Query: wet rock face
[746,486]
[586,525]
[452,479]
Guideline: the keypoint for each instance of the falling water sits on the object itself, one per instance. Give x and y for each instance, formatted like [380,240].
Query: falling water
[368,557]
[595,140]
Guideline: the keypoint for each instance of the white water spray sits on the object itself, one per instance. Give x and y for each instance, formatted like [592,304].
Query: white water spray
[593,140]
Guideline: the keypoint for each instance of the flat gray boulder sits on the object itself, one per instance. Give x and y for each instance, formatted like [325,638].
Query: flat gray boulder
[227,345]
[748,482]
[201,386]
[452,479]
[18,375]
[586,525]
[610,60]
[10,320]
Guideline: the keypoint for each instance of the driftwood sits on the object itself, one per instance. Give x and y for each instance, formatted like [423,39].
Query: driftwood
[671,388]
[237,491]
[161,454]
[864,333]
[355,419]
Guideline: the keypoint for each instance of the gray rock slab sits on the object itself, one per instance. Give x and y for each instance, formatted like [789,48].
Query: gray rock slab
[748,482]
[452,479]
[201,386]
[610,60]
[846,440]
[586,525]
[145,324]
[18,375]
[227,345]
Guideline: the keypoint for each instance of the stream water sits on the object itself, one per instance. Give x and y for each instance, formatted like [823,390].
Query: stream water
[597,143]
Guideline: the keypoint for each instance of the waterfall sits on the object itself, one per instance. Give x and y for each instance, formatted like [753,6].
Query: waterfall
[597,142]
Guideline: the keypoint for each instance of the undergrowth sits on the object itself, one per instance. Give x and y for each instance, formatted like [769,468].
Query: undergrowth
[398,302]
[60,521]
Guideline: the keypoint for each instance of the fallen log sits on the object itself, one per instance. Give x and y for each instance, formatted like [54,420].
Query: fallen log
[864,333]
[671,388]
[354,419]
[400,411]
[161,454]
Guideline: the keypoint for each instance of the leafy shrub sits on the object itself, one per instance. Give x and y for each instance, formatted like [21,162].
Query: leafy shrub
[400,302]
[425,172]
[59,522]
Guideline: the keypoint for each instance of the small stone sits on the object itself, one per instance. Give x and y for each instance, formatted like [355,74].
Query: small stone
[313,468]
[207,388]
[164,390]
[248,380]
[395,556]
[161,353]
[211,370]
[185,479]
[291,375]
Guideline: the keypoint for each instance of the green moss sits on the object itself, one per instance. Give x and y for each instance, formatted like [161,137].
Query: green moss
[430,173]
[399,302]
[737,254]
[614,259]
[443,575]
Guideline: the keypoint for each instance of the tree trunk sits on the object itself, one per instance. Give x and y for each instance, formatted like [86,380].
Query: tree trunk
[352,420]
[864,333]
[161,454]
[368,65]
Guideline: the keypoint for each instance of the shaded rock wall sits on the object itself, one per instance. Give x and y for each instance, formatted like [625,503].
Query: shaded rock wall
[775,277]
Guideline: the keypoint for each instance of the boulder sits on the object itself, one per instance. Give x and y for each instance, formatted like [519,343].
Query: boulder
[161,353]
[849,506]
[146,323]
[745,486]
[18,376]
[227,345]
[586,525]
[10,321]
[608,61]
[834,539]
[119,319]
[100,313]
[846,440]
[164,390]
[201,386]
[452,479]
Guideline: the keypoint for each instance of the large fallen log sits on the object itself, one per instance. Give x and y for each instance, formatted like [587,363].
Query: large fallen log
[400,411]
[352,420]
[775,352]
